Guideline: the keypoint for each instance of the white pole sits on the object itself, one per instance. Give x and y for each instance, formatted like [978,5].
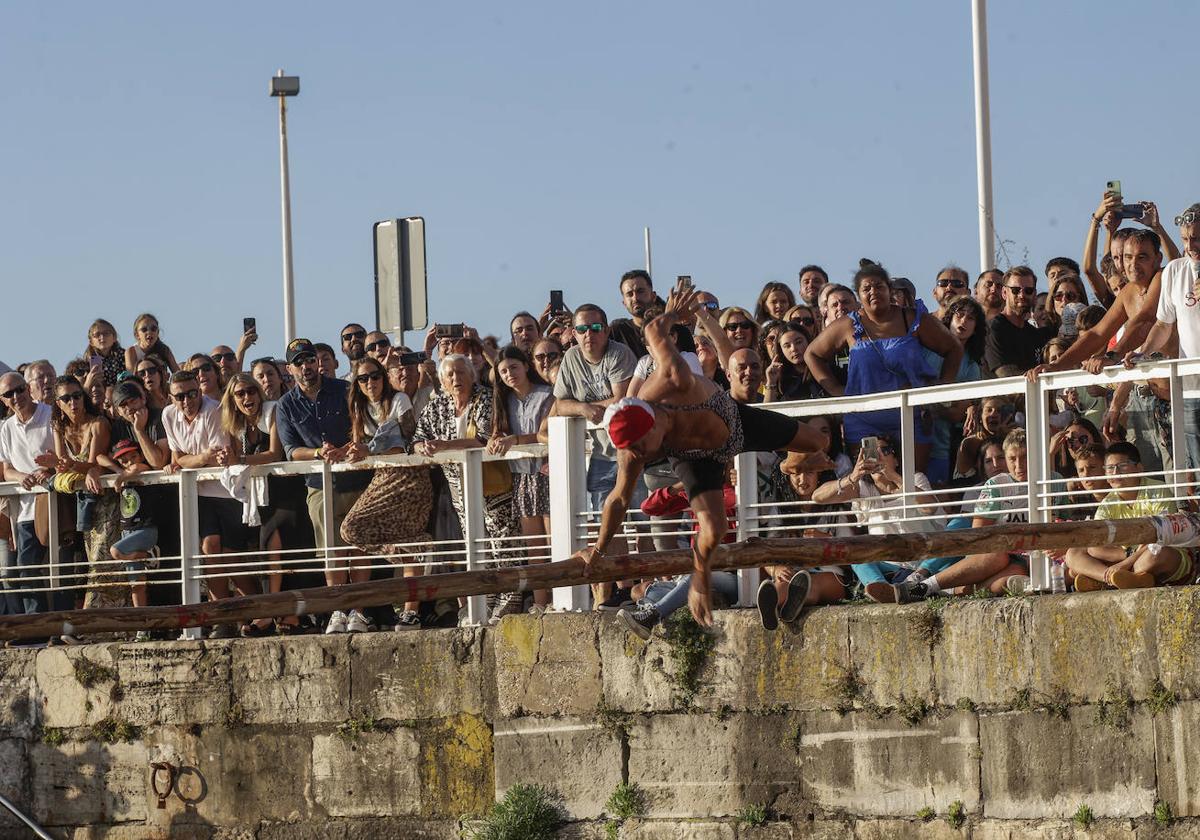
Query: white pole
[646,234]
[983,137]
[289,303]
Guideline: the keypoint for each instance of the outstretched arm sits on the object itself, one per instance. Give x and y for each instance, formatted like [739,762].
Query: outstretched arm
[669,363]
[1104,215]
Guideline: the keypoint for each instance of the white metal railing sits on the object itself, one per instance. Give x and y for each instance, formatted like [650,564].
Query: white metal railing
[572,524]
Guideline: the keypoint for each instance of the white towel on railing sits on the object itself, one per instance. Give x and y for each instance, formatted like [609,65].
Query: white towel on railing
[250,490]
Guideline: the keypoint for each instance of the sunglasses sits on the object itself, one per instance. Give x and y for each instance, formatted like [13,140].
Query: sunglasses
[245,392]
[353,334]
[951,284]
[1067,296]
[71,397]
[303,359]
[585,328]
[381,344]
[262,360]
[364,378]
[204,368]
[20,389]
[224,357]
[1022,290]
[186,395]
[545,357]
[711,305]
[886,450]
[1082,440]
[734,326]
[150,371]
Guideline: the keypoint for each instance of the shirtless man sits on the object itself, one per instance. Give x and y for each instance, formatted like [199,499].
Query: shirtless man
[1142,259]
[699,429]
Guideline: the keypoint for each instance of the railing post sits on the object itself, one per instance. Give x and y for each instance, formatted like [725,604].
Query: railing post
[908,460]
[747,521]
[568,498]
[327,511]
[476,529]
[189,545]
[1178,439]
[1036,469]
[54,576]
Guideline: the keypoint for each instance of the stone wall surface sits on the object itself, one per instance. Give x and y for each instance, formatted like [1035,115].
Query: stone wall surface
[1027,716]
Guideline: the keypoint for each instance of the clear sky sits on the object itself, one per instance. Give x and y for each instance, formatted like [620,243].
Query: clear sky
[139,149]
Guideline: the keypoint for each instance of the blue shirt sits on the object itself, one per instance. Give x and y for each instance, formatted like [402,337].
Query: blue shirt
[302,422]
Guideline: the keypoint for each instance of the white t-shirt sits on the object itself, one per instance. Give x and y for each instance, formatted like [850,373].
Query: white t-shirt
[883,515]
[198,436]
[21,442]
[1177,305]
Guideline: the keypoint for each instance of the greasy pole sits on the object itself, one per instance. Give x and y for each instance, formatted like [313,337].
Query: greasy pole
[800,553]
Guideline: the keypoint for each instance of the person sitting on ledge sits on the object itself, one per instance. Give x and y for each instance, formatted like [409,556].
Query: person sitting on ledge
[699,429]
[1130,567]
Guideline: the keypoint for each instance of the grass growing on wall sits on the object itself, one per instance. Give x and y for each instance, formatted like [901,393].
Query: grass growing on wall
[526,812]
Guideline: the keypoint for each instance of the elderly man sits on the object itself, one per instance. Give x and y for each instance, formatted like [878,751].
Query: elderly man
[951,283]
[377,346]
[40,376]
[24,436]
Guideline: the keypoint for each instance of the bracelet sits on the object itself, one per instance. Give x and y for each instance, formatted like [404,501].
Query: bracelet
[1097,221]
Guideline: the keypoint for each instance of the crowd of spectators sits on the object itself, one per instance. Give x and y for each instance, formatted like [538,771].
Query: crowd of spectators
[127,410]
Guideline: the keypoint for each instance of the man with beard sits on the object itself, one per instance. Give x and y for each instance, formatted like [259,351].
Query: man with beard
[951,283]
[353,341]
[989,292]
[812,278]
[637,295]
[1013,344]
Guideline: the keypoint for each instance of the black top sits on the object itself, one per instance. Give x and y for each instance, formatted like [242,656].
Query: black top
[1011,345]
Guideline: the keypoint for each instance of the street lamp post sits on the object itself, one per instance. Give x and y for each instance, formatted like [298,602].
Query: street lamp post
[282,87]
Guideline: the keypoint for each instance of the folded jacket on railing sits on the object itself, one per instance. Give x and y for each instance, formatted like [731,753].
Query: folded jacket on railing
[250,490]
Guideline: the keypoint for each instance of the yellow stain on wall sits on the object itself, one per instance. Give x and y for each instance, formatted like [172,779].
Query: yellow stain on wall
[456,767]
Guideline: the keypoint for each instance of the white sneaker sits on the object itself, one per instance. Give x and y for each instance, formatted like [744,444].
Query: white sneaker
[358,622]
[337,623]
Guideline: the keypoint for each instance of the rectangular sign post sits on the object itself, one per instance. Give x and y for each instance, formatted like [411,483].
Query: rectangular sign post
[401,302]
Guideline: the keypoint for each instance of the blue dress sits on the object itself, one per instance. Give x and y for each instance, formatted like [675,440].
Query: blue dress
[881,365]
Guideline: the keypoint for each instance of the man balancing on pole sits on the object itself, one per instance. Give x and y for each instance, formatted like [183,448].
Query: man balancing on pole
[699,429]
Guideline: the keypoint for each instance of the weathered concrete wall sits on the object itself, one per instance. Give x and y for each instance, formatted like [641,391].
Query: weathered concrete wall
[1017,711]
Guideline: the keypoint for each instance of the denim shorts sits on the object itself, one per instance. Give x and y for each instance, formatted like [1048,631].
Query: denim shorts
[139,540]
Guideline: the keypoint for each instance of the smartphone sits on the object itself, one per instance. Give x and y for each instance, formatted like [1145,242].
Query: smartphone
[556,302]
[1114,187]
[685,279]
[870,448]
[413,358]
[448,330]
[248,325]
[96,361]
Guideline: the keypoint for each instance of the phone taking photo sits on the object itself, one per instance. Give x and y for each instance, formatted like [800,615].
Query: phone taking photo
[557,307]
[1113,187]
[870,448]
[248,325]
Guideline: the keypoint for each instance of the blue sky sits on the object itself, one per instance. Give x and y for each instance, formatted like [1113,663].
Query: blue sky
[140,152]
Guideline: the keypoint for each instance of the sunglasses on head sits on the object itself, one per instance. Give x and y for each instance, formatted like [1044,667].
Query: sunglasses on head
[353,334]
[381,344]
[20,389]
[184,395]
[364,378]
[584,328]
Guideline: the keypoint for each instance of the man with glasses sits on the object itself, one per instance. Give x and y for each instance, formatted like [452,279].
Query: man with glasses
[192,424]
[593,375]
[25,436]
[313,422]
[1013,343]
[353,338]
[951,283]
[227,361]
[989,292]
[377,345]
[1132,567]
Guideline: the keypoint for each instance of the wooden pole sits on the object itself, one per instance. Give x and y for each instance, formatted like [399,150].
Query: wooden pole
[754,552]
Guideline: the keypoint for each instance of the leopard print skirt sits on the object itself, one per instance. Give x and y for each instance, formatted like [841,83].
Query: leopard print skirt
[393,510]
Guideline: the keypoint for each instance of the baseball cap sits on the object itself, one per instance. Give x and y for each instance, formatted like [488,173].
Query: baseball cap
[299,347]
[124,447]
[125,391]
[628,420]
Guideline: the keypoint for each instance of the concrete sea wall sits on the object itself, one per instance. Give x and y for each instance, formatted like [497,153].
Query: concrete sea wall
[1024,715]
